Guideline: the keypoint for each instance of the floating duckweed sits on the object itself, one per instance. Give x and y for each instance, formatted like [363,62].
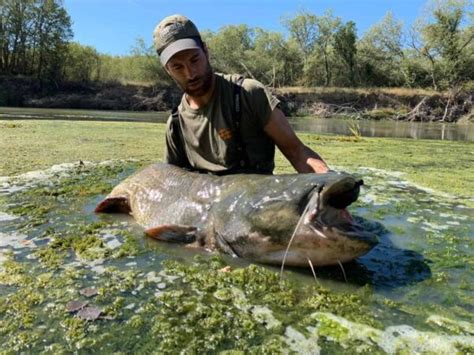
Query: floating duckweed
[332,330]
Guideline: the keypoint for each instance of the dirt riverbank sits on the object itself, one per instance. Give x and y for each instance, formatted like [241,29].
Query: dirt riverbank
[376,103]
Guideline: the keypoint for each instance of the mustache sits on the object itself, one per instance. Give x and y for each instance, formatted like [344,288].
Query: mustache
[195,80]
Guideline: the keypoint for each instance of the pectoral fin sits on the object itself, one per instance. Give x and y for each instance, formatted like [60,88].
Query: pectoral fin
[173,233]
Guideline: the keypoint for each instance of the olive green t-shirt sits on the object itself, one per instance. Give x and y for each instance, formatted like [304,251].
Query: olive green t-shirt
[209,137]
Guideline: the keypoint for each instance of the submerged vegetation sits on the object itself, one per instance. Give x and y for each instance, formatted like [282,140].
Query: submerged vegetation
[101,286]
[73,281]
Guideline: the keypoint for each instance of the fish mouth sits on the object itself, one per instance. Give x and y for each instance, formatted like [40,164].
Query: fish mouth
[326,233]
[327,215]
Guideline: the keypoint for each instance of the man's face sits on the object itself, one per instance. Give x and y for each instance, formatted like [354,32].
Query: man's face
[191,70]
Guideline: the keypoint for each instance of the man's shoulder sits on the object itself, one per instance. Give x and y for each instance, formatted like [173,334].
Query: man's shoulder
[249,85]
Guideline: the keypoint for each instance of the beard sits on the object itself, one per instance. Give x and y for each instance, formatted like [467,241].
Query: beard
[200,85]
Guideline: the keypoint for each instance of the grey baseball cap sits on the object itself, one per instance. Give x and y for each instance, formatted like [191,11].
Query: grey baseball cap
[173,34]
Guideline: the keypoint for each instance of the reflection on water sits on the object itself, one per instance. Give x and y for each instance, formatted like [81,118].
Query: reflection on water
[24,113]
[395,129]
[368,128]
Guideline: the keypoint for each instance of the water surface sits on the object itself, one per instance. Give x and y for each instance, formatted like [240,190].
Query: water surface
[368,128]
[412,293]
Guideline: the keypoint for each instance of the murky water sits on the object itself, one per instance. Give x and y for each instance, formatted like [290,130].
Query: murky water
[367,128]
[411,293]
[385,128]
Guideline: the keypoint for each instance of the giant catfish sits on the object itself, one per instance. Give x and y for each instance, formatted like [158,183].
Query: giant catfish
[249,216]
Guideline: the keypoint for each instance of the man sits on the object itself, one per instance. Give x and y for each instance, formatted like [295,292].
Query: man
[223,125]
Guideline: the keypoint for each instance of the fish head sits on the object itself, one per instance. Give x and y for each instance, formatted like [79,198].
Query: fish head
[316,227]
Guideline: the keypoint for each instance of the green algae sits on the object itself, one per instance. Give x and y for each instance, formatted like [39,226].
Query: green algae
[418,159]
[190,314]
[165,315]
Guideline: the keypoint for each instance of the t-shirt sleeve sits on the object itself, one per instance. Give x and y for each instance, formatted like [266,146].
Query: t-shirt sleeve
[174,153]
[261,100]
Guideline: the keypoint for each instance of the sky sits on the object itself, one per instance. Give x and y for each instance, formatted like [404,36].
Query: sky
[113,26]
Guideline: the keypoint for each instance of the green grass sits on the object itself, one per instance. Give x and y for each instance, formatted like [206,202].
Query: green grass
[30,145]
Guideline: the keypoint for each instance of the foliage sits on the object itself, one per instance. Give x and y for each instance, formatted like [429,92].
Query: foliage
[319,50]
[446,43]
[34,37]
[345,47]
[380,53]
[82,63]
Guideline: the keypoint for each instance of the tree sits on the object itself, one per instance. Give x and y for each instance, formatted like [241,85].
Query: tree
[345,47]
[327,27]
[444,37]
[229,48]
[33,38]
[52,32]
[381,53]
[15,25]
[82,63]
[304,31]
[314,36]
[272,60]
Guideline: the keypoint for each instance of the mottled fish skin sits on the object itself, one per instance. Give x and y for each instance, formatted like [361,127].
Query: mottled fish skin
[251,216]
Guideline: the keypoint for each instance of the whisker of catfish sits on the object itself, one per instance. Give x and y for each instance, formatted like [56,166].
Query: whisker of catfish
[303,215]
[318,232]
[312,270]
[343,271]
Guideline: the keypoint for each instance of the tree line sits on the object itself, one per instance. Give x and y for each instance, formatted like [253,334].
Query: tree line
[437,51]
[34,38]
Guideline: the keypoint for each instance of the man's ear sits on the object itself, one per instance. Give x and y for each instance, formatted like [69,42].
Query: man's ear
[165,67]
[205,49]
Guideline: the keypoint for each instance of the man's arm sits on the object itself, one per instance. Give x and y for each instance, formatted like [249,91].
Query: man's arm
[303,159]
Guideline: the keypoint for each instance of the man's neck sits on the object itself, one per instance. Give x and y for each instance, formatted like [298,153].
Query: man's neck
[196,102]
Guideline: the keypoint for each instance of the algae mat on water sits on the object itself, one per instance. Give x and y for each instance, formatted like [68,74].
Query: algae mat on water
[71,281]
[27,145]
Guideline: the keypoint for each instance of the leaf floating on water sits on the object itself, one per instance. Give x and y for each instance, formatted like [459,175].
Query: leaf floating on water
[88,292]
[89,313]
[74,306]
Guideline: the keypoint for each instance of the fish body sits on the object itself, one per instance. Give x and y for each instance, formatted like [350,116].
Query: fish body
[247,215]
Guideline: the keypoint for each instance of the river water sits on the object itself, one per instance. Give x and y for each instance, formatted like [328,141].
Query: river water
[74,281]
[367,128]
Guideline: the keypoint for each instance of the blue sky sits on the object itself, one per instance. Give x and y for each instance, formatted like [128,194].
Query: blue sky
[112,26]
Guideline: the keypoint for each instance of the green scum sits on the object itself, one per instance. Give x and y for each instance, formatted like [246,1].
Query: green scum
[154,297]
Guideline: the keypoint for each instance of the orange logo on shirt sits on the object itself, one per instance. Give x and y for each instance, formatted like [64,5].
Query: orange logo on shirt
[225,133]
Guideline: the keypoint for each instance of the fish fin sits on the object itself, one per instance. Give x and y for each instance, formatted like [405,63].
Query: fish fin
[173,233]
[223,245]
[116,204]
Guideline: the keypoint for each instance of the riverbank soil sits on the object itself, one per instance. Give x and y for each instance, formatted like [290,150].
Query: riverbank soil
[358,103]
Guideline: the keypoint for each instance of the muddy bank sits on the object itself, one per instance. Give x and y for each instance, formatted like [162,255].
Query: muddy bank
[28,92]
[397,104]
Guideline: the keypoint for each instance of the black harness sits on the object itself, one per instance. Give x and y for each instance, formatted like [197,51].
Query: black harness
[242,157]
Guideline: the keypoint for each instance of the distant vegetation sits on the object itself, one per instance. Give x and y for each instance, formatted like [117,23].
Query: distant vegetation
[437,51]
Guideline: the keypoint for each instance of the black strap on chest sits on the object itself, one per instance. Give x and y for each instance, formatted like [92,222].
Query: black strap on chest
[242,156]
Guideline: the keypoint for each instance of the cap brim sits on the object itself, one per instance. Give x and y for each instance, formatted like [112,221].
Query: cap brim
[178,46]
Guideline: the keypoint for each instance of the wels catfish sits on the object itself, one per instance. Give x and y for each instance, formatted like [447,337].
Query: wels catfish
[249,216]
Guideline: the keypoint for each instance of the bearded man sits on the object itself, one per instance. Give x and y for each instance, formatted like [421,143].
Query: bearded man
[224,124]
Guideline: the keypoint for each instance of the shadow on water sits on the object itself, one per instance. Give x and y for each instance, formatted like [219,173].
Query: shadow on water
[385,267]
